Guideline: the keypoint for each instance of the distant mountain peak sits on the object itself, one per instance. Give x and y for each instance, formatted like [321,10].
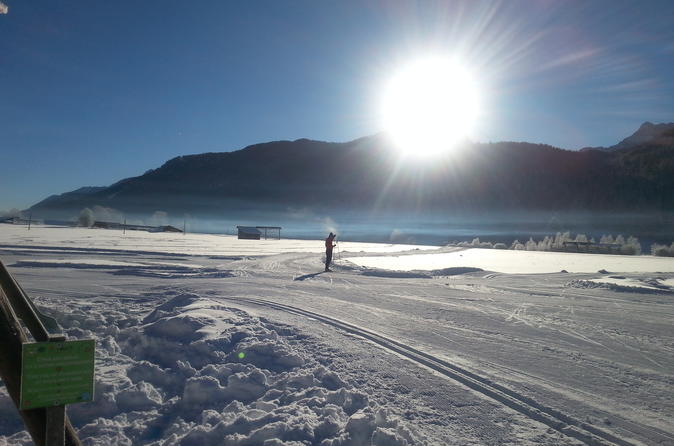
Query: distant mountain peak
[648,133]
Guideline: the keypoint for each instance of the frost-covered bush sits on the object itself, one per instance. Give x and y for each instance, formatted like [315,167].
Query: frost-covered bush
[632,247]
[517,246]
[606,239]
[560,239]
[14,212]
[662,250]
[545,244]
[102,213]
[86,218]
[475,243]
[565,241]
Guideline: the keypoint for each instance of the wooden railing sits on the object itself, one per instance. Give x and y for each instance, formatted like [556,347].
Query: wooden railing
[47,426]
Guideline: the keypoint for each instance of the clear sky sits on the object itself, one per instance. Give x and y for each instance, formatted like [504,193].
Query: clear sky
[95,91]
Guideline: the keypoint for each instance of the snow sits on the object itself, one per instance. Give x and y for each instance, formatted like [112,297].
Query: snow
[75,263]
[199,344]
[87,239]
[621,283]
[193,387]
[518,262]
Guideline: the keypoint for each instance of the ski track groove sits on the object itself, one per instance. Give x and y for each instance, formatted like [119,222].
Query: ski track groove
[566,424]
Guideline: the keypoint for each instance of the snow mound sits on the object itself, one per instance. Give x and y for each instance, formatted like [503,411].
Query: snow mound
[396,274]
[194,372]
[625,284]
[419,274]
[455,271]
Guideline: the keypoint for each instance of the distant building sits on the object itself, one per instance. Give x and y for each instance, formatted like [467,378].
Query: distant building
[170,228]
[108,225]
[258,232]
[115,225]
[249,232]
[19,221]
[270,231]
[167,228]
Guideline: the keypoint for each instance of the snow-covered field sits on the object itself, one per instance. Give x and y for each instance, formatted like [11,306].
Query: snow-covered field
[514,262]
[86,240]
[210,340]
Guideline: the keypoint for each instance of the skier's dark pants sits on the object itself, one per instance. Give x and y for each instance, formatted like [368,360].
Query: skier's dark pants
[328,258]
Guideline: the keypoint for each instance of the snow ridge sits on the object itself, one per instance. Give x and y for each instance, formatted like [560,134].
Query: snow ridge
[564,423]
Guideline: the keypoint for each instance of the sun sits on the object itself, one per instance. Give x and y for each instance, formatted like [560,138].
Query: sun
[429,106]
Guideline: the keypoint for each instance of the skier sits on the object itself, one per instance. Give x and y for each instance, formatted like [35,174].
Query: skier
[328,250]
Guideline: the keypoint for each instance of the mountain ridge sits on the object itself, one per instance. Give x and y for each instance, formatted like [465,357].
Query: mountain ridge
[647,133]
[367,174]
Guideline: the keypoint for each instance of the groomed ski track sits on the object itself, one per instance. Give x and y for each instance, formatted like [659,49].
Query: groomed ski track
[564,423]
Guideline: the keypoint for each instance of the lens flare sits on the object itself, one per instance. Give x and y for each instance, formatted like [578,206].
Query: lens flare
[429,106]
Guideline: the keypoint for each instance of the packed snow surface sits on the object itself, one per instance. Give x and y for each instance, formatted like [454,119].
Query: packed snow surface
[207,340]
[166,242]
[518,262]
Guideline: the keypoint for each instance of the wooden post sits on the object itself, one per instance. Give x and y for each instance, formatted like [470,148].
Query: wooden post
[56,426]
[55,422]
[124,227]
[15,305]
[11,338]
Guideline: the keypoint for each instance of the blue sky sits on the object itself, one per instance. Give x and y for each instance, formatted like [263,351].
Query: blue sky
[95,91]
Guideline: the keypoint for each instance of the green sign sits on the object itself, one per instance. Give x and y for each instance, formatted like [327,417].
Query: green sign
[56,373]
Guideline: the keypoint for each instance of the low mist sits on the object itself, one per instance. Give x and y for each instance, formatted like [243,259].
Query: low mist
[432,228]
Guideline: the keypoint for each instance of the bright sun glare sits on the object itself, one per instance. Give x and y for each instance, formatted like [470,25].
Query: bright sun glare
[429,106]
